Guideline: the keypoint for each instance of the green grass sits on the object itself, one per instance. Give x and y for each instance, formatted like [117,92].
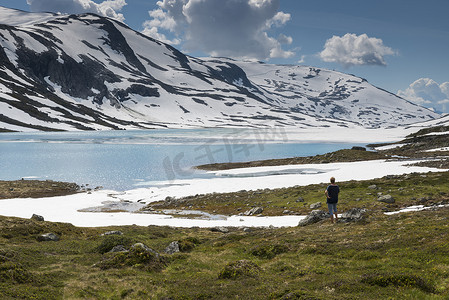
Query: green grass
[407,190]
[404,256]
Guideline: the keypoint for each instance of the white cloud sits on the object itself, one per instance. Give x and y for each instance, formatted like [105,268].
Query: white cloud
[285,40]
[428,93]
[108,8]
[232,28]
[279,19]
[350,50]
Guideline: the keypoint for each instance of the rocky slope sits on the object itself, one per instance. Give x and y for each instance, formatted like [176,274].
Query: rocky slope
[84,72]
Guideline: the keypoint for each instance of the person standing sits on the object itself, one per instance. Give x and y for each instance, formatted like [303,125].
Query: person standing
[331,193]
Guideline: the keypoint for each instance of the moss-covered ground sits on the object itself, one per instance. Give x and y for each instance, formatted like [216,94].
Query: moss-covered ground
[35,188]
[403,256]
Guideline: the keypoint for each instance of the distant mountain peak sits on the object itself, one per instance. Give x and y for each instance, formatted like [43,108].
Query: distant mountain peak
[84,72]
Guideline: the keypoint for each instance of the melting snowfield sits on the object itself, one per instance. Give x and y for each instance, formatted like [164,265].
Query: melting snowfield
[82,209]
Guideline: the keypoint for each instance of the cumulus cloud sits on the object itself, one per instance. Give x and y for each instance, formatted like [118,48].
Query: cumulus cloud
[108,8]
[232,28]
[428,93]
[351,50]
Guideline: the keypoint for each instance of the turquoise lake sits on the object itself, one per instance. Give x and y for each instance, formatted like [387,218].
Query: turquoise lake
[123,160]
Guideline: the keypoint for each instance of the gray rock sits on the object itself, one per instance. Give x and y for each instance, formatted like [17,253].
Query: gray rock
[354,214]
[48,237]
[300,199]
[37,218]
[247,229]
[141,246]
[314,217]
[373,187]
[219,229]
[119,248]
[173,247]
[386,199]
[114,232]
[254,211]
[315,205]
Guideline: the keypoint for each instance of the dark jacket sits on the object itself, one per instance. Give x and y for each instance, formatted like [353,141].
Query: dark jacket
[332,192]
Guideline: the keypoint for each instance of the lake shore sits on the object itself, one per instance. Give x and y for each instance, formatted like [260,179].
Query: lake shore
[382,256]
[281,188]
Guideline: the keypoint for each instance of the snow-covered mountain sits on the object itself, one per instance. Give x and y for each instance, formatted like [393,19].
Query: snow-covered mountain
[81,72]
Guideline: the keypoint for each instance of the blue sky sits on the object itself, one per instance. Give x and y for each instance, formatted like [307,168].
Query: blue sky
[399,45]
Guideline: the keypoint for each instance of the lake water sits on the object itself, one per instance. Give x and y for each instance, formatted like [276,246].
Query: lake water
[123,160]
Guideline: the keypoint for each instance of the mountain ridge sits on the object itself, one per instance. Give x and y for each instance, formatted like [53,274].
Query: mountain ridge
[86,72]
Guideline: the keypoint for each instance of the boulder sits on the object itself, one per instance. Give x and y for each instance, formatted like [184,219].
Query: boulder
[173,247]
[37,218]
[119,248]
[219,229]
[254,211]
[373,187]
[353,215]
[314,217]
[47,237]
[143,247]
[386,199]
[315,205]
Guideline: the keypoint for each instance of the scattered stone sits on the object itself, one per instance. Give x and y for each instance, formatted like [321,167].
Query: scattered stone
[386,199]
[118,248]
[287,212]
[254,211]
[114,232]
[354,214]
[37,218]
[247,229]
[314,217]
[219,229]
[47,237]
[145,248]
[173,247]
[315,205]
[300,199]
[358,148]
[373,187]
